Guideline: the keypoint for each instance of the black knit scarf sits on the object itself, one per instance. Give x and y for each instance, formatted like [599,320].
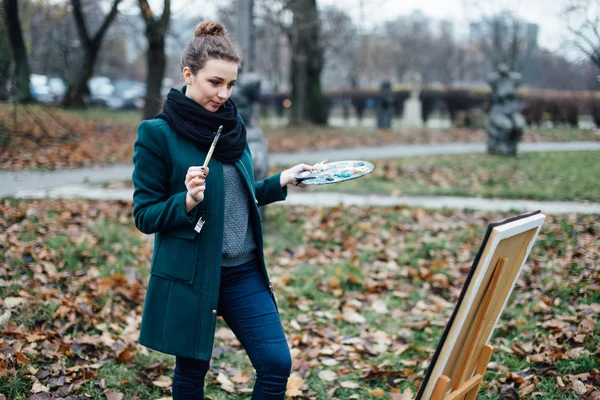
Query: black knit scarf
[192,121]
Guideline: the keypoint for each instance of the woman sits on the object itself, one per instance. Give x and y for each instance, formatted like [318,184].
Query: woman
[208,253]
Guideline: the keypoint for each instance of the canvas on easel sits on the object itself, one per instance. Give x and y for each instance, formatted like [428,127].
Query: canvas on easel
[460,360]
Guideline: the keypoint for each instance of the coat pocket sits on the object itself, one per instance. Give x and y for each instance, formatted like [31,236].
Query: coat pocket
[176,255]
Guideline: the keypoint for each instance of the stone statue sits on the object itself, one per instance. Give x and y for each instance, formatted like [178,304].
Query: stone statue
[384,106]
[415,82]
[505,123]
[245,94]
[412,116]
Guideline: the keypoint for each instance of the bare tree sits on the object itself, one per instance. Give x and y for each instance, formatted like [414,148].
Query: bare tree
[411,42]
[583,19]
[156,30]
[78,90]
[505,39]
[341,44]
[20,76]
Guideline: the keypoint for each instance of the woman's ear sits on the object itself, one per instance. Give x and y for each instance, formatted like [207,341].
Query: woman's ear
[187,75]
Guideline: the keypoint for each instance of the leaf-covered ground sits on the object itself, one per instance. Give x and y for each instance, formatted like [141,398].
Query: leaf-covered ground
[36,137]
[552,176]
[364,294]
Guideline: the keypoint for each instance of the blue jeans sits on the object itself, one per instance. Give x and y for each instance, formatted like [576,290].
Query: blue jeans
[246,305]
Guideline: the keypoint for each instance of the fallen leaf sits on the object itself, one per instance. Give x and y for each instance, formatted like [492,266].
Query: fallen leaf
[226,384]
[163,381]
[38,387]
[294,386]
[579,387]
[327,375]
[349,385]
[13,302]
[5,317]
[352,317]
[113,395]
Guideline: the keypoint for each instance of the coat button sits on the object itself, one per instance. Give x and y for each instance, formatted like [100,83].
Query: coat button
[214,311]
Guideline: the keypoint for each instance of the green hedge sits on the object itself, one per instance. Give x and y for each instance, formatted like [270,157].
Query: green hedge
[560,107]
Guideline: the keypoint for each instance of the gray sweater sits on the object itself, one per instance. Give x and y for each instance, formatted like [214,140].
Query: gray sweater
[238,238]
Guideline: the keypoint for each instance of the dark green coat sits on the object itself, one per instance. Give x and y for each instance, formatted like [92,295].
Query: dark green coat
[180,309]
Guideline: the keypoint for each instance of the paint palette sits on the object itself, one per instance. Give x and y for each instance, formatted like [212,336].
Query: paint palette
[334,172]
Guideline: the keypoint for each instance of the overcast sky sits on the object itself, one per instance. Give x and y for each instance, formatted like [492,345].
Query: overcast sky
[546,13]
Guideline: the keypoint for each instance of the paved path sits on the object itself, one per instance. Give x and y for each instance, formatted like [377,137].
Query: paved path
[401,151]
[332,199]
[12,182]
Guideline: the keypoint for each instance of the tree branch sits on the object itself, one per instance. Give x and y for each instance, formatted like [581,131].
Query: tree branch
[166,15]
[80,23]
[106,23]
[146,12]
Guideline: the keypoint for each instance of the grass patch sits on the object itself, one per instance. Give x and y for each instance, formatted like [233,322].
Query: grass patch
[553,176]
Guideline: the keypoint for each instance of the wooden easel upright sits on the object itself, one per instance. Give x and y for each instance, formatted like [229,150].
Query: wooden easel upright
[465,388]
[469,389]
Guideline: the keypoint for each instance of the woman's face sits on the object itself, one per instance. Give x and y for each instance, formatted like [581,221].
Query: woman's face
[212,85]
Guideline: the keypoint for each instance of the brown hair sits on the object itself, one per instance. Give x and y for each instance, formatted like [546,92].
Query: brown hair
[211,41]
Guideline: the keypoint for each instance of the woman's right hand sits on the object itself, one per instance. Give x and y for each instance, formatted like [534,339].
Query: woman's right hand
[195,185]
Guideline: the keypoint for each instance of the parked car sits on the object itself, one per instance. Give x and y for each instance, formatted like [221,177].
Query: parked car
[131,93]
[58,88]
[39,89]
[102,92]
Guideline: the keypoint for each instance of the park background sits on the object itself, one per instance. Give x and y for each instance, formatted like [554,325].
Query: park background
[366,273]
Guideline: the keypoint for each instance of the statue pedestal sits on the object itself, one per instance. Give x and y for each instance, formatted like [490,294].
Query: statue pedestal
[259,148]
[411,117]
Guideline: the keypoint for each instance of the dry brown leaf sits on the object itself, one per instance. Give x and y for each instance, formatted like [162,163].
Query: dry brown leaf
[113,395]
[163,381]
[5,317]
[327,375]
[226,384]
[352,317]
[13,302]
[579,387]
[38,388]
[294,385]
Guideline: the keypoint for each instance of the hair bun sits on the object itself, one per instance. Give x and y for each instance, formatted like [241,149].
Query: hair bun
[210,28]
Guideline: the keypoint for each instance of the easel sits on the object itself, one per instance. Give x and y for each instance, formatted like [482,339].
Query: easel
[464,352]
[469,389]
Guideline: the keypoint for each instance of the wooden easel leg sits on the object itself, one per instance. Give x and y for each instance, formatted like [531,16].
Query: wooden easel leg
[482,364]
[463,371]
[441,387]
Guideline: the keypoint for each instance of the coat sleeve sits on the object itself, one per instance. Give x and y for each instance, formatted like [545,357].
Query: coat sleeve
[270,190]
[154,209]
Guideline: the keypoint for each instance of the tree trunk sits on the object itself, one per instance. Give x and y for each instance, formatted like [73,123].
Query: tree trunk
[78,93]
[156,71]
[308,102]
[20,90]
[156,30]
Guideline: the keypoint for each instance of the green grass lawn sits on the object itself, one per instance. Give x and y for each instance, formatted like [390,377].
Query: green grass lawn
[364,294]
[548,176]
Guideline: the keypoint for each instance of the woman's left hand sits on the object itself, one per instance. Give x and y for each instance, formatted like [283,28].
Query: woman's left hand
[289,175]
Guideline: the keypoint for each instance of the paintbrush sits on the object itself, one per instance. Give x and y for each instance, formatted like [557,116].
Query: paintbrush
[212,146]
